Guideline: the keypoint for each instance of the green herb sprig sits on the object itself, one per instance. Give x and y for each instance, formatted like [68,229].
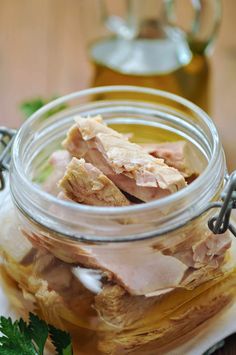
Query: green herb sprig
[30,338]
[31,106]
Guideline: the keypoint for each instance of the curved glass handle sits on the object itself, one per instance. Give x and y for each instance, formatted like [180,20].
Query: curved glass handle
[200,20]
[124,27]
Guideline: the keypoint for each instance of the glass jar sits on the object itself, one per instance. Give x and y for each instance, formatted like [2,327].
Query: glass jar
[136,279]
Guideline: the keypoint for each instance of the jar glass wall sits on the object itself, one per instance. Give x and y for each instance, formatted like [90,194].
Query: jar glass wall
[120,279]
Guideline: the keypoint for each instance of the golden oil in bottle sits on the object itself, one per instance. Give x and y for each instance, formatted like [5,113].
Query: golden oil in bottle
[166,64]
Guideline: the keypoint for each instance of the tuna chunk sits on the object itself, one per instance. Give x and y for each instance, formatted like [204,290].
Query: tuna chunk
[59,161]
[175,261]
[146,272]
[50,303]
[179,155]
[86,184]
[119,309]
[143,271]
[201,250]
[57,274]
[161,335]
[211,250]
[127,164]
[12,242]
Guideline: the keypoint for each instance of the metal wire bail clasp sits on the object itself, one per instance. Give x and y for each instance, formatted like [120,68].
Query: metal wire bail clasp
[219,224]
[6,139]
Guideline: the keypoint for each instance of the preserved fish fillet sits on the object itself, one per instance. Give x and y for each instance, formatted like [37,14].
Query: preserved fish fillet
[86,184]
[125,163]
[178,154]
[58,161]
[157,334]
[119,309]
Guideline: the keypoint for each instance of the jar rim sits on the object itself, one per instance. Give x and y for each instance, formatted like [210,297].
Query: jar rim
[111,211]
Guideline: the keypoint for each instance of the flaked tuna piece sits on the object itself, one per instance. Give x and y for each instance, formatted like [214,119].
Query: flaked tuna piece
[62,196]
[140,273]
[160,319]
[50,303]
[56,273]
[86,184]
[160,271]
[84,130]
[118,308]
[125,183]
[12,242]
[167,333]
[127,164]
[59,161]
[199,249]
[211,251]
[179,155]
[196,277]
[143,272]
[150,271]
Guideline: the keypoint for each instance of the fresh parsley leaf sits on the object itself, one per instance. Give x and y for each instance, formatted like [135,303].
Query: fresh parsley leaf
[13,341]
[68,350]
[61,340]
[38,330]
[9,350]
[23,326]
[31,106]
[18,337]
